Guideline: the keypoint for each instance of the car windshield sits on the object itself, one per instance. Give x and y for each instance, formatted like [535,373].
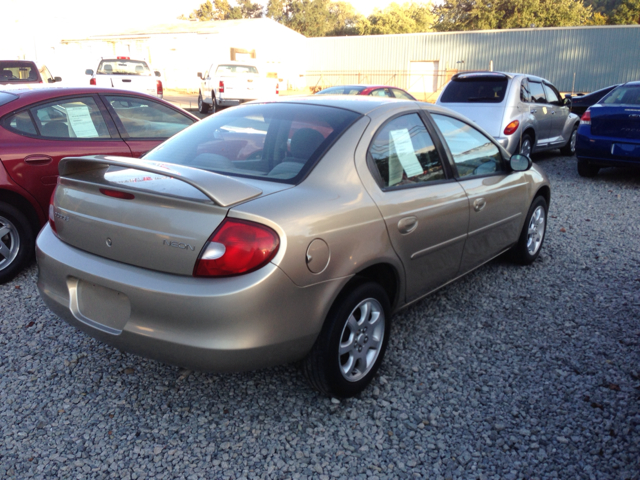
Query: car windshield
[341,91]
[623,95]
[123,67]
[475,89]
[18,72]
[278,142]
[222,69]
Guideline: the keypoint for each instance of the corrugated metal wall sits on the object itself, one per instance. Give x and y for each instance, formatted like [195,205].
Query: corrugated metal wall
[599,56]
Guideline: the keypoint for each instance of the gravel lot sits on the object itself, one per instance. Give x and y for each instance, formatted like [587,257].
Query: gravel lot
[511,373]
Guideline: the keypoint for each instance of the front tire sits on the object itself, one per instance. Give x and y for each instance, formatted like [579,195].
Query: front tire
[16,241]
[202,106]
[214,103]
[533,232]
[352,343]
[569,149]
[585,169]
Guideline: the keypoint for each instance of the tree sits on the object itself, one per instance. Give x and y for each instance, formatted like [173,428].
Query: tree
[311,18]
[456,15]
[407,18]
[344,19]
[222,10]
[627,13]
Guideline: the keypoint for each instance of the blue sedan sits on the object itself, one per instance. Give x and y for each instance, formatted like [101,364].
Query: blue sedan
[609,132]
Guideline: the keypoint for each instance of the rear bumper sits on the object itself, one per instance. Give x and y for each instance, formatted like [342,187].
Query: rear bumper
[230,324]
[600,151]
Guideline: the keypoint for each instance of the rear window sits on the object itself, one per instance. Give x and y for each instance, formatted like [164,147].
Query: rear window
[18,72]
[222,69]
[341,91]
[624,95]
[7,97]
[475,89]
[278,142]
[123,67]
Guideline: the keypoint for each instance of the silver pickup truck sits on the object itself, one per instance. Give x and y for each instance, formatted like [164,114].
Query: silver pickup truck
[127,74]
[231,83]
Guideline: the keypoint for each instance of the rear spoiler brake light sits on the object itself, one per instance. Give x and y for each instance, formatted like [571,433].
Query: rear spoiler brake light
[222,190]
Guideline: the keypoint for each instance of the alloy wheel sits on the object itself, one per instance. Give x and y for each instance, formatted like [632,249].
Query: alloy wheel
[361,340]
[9,242]
[535,233]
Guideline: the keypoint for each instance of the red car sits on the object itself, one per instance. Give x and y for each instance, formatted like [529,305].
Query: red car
[40,127]
[373,90]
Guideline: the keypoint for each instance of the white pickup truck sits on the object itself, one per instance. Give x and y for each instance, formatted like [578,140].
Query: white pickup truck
[231,83]
[127,74]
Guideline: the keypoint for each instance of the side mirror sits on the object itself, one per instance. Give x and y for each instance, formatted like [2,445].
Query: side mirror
[520,163]
[157,73]
[57,79]
[567,100]
[88,71]
[200,76]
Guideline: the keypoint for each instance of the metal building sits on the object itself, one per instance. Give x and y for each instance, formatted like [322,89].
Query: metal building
[576,59]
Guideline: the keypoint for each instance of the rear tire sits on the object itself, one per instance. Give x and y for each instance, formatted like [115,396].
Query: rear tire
[526,145]
[569,149]
[585,169]
[202,106]
[16,241]
[214,105]
[352,343]
[533,232]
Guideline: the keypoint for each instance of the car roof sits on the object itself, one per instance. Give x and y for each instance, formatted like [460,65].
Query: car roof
[363,105]
[510,75]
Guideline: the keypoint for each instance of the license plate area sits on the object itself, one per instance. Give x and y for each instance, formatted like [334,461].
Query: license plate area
[626,150]
[97,306]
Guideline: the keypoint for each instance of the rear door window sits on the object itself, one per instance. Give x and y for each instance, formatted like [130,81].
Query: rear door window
[525,92]
[404,154]
[142,118]
[475,88]
[77,118]
[381,92]
[401,94]
[537,93]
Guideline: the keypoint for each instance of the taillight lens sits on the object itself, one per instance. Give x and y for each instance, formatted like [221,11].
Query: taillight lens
[586,118]
[159,89]
[221,87]
[277,89]
[117,194]
[92,81]
[52,212]
[237,247]
[511,128]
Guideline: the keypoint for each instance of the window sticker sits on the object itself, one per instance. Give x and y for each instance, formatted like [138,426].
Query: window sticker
[81,122]
[401,141]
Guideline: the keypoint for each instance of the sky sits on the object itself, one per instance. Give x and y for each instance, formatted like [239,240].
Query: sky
[69,18]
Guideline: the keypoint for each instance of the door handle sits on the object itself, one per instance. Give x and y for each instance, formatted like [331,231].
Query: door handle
[407,225]
[534,111]
[479,204]
[553,112]
[38,159]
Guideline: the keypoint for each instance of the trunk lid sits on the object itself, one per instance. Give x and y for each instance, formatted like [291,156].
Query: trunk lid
[621,121]
[160,217]
[243,87]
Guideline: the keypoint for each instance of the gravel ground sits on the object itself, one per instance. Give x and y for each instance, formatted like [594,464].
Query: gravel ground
[510,373]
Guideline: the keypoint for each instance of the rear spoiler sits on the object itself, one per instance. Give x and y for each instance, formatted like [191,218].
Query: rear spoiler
[223,190]
[480,74]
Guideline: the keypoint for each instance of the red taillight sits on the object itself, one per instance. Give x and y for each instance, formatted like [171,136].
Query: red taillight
[117,194]
[92,81]
[511,128]
[586,118]
[52,212]
[159,89]
[221,87]
[277,89]
[236,247]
